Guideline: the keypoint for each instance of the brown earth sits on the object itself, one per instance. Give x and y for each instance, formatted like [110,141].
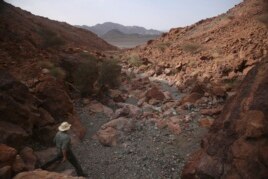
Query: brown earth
[219,50]
[150,127]
[236,146]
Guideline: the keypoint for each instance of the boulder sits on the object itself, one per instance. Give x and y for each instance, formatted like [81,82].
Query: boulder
[236,146]
[212,111]
[43,174]
[191,98]
[206,122]
[122,124]
[7,155]
[29,158]
[12,134]
[154,93]
[107,136]
[6,172]
[18,165]
[134,111]
[174,128]
[54,97]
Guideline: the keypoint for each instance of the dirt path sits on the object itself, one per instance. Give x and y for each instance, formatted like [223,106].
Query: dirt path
[146,152]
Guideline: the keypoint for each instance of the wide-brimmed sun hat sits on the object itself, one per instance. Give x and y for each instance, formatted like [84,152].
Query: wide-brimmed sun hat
[65,126]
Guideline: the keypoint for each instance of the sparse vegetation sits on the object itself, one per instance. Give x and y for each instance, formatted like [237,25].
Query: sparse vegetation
[135,60]
[191,48]
[162,46]
[86,75]
[58,73]
[264,19]
[109,73]
[50,38]
[55,71]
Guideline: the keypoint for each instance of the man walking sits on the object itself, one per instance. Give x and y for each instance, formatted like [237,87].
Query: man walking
[64,152]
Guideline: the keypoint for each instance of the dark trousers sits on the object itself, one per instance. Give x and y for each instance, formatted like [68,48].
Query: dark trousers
[71,158]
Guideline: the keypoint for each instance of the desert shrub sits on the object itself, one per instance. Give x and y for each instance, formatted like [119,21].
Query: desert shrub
[134,60]
[109,73]
[85,75]
[162,46]
[264,19]
[45,64]
[58,73]
[191,48]
[50,38]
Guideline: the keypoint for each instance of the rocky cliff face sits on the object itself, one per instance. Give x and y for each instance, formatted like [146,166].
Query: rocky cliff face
[219,50]
[236,146]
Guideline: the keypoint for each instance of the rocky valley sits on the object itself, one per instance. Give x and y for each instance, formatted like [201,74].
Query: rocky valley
[190,104]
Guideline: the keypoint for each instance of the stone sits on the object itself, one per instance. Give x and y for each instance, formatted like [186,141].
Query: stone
[206,122]
[18,165]
[43,174]
[236,139]
[174,128]
[122,124]
[107,136]
[191,98]
[45,155]
[211,112]
[95,107]
[6,172]
[7,155]
[154,93]
[54,97]
[29,158]
[11,134]
[134,111]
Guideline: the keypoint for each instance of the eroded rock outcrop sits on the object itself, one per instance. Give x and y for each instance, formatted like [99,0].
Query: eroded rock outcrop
[237,144]
[44,174]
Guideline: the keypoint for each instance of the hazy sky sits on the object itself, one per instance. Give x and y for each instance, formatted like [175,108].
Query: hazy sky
[157,14]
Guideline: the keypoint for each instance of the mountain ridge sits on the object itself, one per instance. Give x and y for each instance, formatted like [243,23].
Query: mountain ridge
[101,29]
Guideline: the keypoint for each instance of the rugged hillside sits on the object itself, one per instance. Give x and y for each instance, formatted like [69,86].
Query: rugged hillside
[101,29]
[24,36]
[35,96]
[218,50]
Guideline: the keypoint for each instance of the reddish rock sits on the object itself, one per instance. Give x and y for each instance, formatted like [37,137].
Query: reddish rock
[122,124]
[29,158]
[18,165]
[218,91]
[44,174]
[134,111]
[191,98]
[54,97]
[174,128]
[95,107]
[5,172]
[107,136]
[236,139]
[206,122]
[12,135]
[7,155]
[154,93]
[211,112]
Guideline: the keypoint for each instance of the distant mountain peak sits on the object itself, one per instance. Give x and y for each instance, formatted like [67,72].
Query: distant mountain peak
[102,29]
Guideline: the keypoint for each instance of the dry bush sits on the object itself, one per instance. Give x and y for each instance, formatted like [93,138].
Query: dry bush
[86,75]
[50,38]
[134,60]
[58,73]
[45,64]
[191,48]
[109,73]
